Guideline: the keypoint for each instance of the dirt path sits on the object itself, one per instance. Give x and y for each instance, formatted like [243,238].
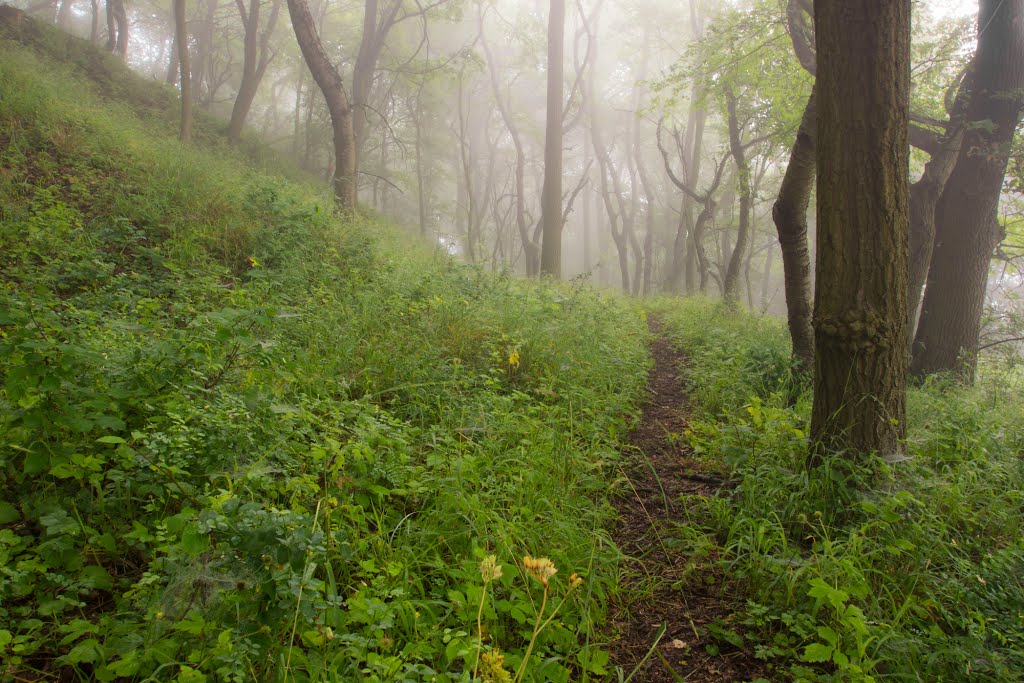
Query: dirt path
[673,586]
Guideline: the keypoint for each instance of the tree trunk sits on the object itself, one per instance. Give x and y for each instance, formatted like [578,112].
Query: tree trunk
[94,27]
[254,65]
[64,15]
[863,87]
[551,195]
[531,250]
[172,60]
[200,58]
[333,89]
[966,229]
[790,215]
[185,76]
[731,282]
[117,28]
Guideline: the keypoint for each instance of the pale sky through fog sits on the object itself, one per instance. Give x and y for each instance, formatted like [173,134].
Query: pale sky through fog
[952,8]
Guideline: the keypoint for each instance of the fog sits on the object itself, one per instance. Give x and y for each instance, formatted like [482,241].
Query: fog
[450,119]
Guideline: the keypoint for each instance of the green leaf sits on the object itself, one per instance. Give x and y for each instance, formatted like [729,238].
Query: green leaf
[95,576]
[8,513]
[828,635]
[36,463]
[594,660]
[85,651]
[110,439]
[818,652]
[826,593]
[193,542]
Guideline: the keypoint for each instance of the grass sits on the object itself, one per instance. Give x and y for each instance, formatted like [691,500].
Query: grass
[240,440]
[912,571]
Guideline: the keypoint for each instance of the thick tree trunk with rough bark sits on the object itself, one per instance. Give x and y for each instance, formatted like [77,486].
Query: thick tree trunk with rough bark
[966,224]
[551,196]
[185,73]
[790,215]
[862,91]
[333,89]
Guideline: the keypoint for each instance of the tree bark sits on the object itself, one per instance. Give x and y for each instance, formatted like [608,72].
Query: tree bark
[185,76]
[790,215]
[862,91]
[551,195]
[333,89]
[967,230]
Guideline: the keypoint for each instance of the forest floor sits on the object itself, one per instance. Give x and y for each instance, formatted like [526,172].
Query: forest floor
[675,590]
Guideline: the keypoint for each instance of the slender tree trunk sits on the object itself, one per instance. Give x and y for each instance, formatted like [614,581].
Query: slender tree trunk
[966,227]
[421,199]
[297,124]
[185,76]
[790,215]
[117,28]
[551,196]
[94,28]
[766,276]
[203,36]
[333,89]
[173,67]
[588,210]
[531,250]
[254,65]
[64,15]
[863,92]
[730,285]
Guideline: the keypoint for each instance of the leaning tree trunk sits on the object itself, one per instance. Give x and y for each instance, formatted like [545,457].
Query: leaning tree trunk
[333,89]
[863,87]
[551,196]
[790,215]
[966,226]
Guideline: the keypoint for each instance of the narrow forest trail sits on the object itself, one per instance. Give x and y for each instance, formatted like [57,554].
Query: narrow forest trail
[672,590]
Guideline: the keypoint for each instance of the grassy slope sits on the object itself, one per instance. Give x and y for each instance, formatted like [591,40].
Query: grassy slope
[920,578]
[240,440]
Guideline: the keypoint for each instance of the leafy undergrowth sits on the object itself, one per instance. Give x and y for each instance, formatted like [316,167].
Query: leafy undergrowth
[240,440]
[911,571]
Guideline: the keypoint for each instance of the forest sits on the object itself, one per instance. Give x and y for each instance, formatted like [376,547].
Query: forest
[484,341]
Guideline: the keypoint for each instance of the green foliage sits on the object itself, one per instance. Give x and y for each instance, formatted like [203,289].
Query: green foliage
[901,571]
[243,441]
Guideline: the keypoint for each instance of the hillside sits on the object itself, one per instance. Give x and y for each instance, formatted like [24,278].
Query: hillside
[245,441]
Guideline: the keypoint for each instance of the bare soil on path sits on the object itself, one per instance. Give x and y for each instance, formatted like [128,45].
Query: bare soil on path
[674,587]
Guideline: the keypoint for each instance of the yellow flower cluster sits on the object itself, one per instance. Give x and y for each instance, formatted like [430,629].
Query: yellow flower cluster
[490,569]
[540,568]
[492,668]
[513,360]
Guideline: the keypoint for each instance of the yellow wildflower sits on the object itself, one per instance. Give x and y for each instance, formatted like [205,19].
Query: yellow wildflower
[575,581]
[492,668]
[490,569]
[513,360]
[540,568]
